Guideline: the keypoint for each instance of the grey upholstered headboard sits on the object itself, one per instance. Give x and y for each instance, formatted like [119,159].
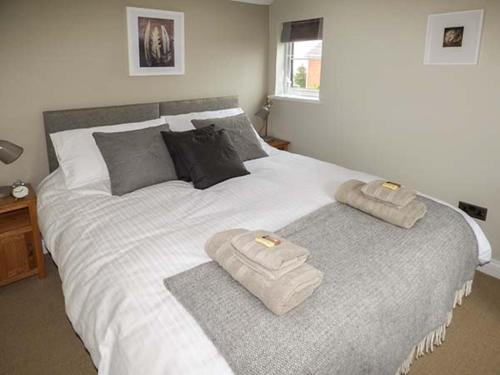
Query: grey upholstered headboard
[56,121]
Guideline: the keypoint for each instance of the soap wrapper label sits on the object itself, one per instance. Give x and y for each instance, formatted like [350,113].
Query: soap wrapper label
[267,241]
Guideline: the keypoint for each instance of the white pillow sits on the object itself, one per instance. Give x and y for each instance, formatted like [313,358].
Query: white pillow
[80,158]
[182,123]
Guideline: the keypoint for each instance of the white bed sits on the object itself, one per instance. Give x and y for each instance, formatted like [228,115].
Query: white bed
[113,254]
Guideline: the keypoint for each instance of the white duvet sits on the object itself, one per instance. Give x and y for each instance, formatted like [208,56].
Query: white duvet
[114,252]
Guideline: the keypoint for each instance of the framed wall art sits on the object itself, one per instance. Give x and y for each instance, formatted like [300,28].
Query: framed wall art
[155,41]
[454,38]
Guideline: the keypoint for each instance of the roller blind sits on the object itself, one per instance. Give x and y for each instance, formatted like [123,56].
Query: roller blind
[301,31]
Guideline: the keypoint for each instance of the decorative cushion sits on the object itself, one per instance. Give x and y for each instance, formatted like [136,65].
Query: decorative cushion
[206,154]
[79,156]
[136,159]
[240,131]
[172,141]
[182,122]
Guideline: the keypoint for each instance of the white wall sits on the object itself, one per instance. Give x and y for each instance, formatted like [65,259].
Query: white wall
[382,111]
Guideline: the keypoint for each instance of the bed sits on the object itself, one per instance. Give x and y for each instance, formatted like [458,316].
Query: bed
[114,252]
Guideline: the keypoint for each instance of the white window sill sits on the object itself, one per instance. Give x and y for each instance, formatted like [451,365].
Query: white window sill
[290,98]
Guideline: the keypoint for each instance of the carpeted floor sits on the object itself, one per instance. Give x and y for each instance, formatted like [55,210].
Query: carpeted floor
[36,337]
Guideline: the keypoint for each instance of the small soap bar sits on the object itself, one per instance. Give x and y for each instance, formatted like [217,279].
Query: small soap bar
[267,241]
[391,185]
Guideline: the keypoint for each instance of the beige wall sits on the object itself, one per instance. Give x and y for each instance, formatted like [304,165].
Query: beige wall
[57,54]
[382,111]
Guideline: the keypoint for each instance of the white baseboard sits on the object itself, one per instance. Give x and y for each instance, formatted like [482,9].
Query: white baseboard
[492,268]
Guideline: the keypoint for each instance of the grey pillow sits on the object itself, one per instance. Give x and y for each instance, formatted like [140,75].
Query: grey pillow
[240,131]
[136,158]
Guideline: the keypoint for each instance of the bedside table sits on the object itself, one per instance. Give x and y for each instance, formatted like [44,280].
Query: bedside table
[20,243]
[280,144]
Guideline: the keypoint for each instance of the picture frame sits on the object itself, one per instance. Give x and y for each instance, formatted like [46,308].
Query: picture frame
[155,42]
[454,38]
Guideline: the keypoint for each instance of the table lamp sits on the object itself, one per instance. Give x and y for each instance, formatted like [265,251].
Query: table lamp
[263,114]
[9,152]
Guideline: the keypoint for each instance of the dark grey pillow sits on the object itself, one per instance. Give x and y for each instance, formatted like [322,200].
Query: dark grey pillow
[240,131]
[136,158]
[207,154]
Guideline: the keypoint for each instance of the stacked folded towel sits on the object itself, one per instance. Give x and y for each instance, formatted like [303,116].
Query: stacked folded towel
[389,192]
[396,206]
[277,275]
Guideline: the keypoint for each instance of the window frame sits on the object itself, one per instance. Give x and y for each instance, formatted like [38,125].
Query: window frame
[288,90]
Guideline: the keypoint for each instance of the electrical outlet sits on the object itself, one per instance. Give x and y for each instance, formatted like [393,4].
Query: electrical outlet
[474,211]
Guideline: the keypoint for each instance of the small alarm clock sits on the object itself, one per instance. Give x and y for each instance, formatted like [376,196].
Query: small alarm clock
[20,190]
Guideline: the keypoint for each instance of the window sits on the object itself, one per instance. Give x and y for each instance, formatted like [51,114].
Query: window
[302,50]
[303,68]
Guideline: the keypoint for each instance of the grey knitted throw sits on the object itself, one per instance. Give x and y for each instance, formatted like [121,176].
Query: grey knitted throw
[387,293]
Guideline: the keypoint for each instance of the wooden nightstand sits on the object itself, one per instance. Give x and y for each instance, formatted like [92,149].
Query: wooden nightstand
[280,144]
[20,243]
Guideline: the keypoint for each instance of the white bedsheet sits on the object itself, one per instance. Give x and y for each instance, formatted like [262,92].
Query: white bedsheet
[114,252]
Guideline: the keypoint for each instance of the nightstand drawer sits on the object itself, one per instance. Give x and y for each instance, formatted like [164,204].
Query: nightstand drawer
[14,222]
[14,257]
[280,144]
[20,244]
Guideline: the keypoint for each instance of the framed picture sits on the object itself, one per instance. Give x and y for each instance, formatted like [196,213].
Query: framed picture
[454,38]
[155,42]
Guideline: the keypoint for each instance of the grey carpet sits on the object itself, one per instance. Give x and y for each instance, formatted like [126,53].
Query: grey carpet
[36,337]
